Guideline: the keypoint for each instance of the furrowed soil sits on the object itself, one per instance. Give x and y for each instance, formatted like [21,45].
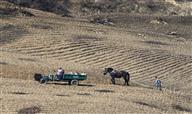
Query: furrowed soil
[145,46]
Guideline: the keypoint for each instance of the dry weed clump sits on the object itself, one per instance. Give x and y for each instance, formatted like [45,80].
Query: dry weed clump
[19,93]
[84,94]
[9,10]
[148,105]
[105,91]
[30,110]
[180,108]
[3,63]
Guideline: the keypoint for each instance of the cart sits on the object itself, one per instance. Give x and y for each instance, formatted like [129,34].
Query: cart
[71,78]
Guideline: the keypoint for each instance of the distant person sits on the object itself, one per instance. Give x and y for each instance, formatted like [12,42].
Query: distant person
[60,73]
[157,83]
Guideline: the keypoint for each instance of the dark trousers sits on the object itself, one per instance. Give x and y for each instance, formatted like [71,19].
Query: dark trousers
[59,77]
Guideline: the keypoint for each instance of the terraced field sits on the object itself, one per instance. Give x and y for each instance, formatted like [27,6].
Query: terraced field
[98,46]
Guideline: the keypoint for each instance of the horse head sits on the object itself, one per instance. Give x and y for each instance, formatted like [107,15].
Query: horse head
[107,70]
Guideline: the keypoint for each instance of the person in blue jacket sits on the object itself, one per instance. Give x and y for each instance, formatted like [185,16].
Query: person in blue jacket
[157,83]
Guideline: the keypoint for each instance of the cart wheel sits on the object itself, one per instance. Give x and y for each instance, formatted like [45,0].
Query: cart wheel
[74,82]
[43,81]
[69,82]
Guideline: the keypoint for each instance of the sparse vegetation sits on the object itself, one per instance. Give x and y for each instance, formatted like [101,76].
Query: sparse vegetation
[3,63]
[105,91]
[19,93]
[30,110]
[180,108]
[145,45]
[10,33]
[90,7]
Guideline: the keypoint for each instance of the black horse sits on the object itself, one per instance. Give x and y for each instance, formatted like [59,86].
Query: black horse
[117,74]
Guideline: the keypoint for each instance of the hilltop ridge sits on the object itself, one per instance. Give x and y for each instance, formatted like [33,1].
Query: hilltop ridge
[97,7]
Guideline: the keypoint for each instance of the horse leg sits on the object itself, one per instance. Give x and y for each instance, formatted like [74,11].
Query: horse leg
[126,82]
[113,80]
[126,78]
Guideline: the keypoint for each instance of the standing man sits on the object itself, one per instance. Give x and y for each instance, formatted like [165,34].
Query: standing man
[157,83]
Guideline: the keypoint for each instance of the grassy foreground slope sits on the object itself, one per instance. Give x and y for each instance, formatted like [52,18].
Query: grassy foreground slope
[25,96]
[143,45]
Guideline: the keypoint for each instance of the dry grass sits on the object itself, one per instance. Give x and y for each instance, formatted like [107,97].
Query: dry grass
[85,99]
[77,45]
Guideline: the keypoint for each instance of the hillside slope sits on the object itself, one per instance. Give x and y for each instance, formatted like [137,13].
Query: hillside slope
[97,7]
[143,50]
[146,46]
[21,96]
